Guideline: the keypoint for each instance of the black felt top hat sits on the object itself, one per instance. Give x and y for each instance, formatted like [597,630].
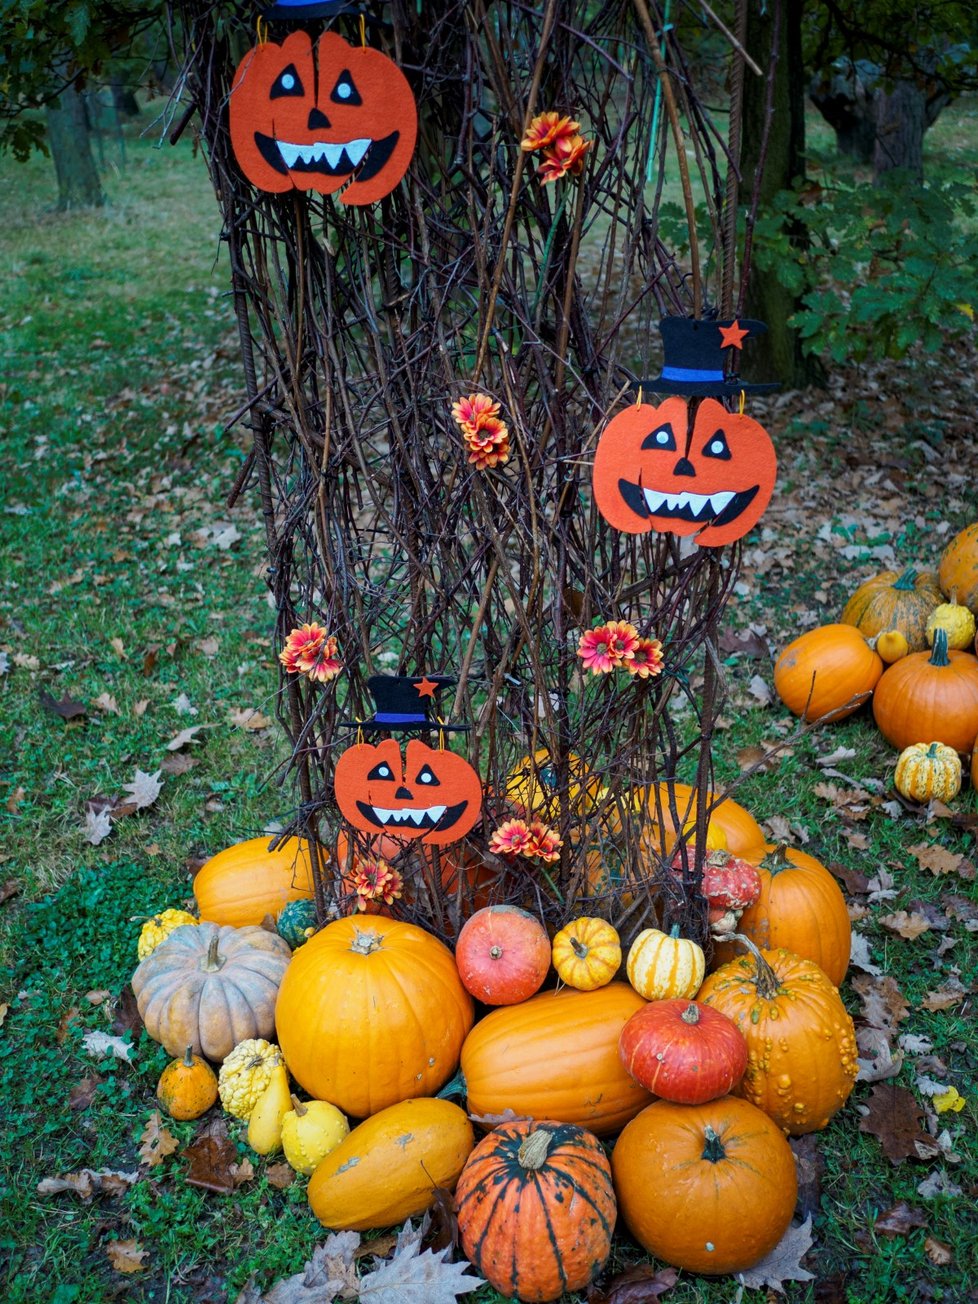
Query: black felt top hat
[694,361]
[406,703]
[299,9]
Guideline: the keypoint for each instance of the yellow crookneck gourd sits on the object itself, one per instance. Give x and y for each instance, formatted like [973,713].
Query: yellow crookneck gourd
[265,1123]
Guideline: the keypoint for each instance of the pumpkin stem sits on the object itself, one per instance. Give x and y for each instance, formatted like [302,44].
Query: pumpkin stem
[188,1058]
[713,1150]
[495,952]
[674,931]
[456,1087]
[366,943]
[939,656]
[533,1151]
[765,979]
[298,1106]
[691,1014]
[579,949]
[907,581]
[213,961]
[777,860]
[932,751]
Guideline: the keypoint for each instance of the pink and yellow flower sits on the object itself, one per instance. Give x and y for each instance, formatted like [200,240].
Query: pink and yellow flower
[545,843]
[545,129]
[608,646]
[564,157]
[513,838]
[375,880]
[311,650]
[473,412]
[647,659]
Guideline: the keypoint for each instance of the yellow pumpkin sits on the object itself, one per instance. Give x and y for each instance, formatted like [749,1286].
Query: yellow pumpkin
[927,770]
[663,965]
[587,953]
[956,621]
[158,927]
[391,1166]
[245,1075]
[891,645]
[310,1132]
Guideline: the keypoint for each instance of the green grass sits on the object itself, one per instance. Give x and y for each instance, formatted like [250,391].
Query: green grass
[119,367]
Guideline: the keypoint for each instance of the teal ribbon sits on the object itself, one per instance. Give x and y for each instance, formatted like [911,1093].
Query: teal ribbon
[657,102]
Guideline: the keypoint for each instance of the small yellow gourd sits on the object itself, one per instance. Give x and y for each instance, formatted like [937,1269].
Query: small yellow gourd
[927,770]
[187,1087]
[956,621]
[310,1132]
[664,965]
[158,927]
[245,1074]
[265,1123]
[587,953]
[891,645]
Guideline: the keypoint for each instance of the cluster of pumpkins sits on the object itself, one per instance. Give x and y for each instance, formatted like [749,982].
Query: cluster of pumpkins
[907,641]
[700,1077]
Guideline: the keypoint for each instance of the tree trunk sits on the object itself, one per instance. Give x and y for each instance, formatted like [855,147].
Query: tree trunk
[778,354]
[71,149]
[901,120]
[123,97]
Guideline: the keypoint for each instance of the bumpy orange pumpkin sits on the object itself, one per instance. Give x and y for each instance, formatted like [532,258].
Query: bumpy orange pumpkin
[801,908]
[244,883]
[710,1188]
[928,698]
[556,1056]
[892,601]
[959,568]
[372,1012]
[827,673]
[801,1044]
[536,1209]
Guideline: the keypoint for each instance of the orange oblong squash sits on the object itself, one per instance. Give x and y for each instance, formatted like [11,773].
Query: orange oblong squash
[827,673]
[556,1057]
[958,570]
[245,882]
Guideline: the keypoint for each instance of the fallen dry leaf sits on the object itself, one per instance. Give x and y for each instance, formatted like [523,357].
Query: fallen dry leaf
[250,719]
[952,993]
[126,1016]
[178,763]
[97,826]
[139,708]
[87,1183]
[8,889]
[901,1219]
[884,1005]
[156,1141]
[894,1117]
[98,997]
[242,1172]
[636,1285]
[143,789]
[940,861]
[15,798]
[280,1176]
[859,956]
[938,1252]
[212,1158]
[761,690]
[101,1044]
[783,1263]
[106,702]
[907,925]
[81,1094]
[67,708]
[810,1168]
[126,1256]
[184,738]
[118,647]
[936,1185]
[4,1011]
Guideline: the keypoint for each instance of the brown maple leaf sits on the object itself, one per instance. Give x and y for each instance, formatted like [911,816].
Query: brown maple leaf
[894,1116]
[126,1256]
[884,1005]
[907,925]
[156,1141]
[212,1158]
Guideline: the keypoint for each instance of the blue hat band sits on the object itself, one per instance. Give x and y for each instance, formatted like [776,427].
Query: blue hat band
[692,374]
[395,717]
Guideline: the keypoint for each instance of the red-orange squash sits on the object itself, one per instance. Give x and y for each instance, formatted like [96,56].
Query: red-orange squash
[536,1209]
[929,698]
[683,1051]
[801,1045]
[556,1057]
[827,673]
[959,568]
[710,1188]
[372,1012]
[503,955]
[801,908]
[244,883]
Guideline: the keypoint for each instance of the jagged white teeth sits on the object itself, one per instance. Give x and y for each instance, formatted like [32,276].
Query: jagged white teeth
[289,153]
[721,500]
[321,149]
[356,150]
[653,500]
[333,154]
[696,502]
[409,814]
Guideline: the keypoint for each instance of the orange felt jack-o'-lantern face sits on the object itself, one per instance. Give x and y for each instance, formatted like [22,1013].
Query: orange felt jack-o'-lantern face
[651,472]
[430,794]
[345,117]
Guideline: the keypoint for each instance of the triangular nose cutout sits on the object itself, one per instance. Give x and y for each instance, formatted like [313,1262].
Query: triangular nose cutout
[318,119]
[684,467]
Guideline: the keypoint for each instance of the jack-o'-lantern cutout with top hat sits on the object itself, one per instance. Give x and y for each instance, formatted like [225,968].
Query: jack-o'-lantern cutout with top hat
[683,469]
[426,794]
[330,117]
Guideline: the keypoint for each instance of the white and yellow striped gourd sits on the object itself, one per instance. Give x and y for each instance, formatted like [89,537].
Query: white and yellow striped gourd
[663,965]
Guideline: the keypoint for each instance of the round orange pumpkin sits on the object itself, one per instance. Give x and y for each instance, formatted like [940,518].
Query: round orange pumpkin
[710,1188]
[556,1056]
[801,1044]
[683,1051]
[187,1087]
[244,883]
[503,955]
[536,1209]
[892,601]
[929,697]
[736,827]
[372,1012]
[801,908]
[959,568]
[827,673]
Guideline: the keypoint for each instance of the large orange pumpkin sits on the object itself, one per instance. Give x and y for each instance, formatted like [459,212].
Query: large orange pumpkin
[959,568]
[801,908]
[827,673]
[801,1045]
[737,827]
[556,1056]
[536,1209]
[710,1188]
[929,698]
[892,601]
[342,118]
[244,883]
[372,1012]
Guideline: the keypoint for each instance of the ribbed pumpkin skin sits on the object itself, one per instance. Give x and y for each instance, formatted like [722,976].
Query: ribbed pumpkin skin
[660,967]
[801,908]
[556,1057]
[921,700]
[503,955]
[892,600]
[587,953]
[928,770]
[738,827]
[696,1213]
[843,666]
[537,1231]
[959,568]
[183,1004]
[372,1012]
[801,1045]
[387,1169]
[683,1051]
[244,883]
